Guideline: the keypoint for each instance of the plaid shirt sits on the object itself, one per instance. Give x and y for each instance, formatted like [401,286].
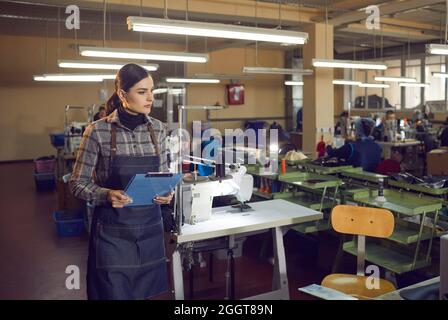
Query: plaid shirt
[91,170]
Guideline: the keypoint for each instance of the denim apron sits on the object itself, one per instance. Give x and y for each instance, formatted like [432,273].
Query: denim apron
[126,249]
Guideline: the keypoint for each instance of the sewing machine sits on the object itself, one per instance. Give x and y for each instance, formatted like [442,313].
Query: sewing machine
[73,136]
[198,193]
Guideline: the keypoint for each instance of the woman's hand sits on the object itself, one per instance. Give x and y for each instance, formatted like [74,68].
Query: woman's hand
[164,200]
[118,198]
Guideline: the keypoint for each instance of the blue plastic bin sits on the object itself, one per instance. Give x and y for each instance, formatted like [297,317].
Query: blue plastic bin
[69,223]
[45,181]
[57,139]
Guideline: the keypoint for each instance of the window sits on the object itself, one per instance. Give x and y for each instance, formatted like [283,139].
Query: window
[297,91]
[413,94]
[393,93]
[360,75]
[436,90]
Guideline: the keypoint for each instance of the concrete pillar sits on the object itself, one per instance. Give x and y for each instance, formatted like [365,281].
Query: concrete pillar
[318,95]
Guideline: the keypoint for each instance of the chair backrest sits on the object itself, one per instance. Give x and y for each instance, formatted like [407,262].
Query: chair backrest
[365,221]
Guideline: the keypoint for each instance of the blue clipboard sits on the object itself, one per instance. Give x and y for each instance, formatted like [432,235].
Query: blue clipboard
[143,188]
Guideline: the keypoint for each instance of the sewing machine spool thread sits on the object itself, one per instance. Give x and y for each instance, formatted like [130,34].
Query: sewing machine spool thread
[220,168]
[381,197]
[283,166]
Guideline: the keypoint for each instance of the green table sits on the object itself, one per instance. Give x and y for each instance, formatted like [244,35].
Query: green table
[396,254]
[322,169]
[404,203]
[422,188]
[312,193]
[255,171]
[363,175]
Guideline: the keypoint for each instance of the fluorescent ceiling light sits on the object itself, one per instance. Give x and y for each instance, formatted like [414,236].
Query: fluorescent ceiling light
[106,65]
[223,76]
[169,91]
[374,85]
[277,70]
[433,48]
[440,74]
[395,79]
[190,80]
[347,82]
[419,85]
[215,30]
[74,77]
[294,83]
[141,54]
[215,107]
[349,64]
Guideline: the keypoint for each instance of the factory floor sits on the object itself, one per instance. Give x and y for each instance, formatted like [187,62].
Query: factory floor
[34,258]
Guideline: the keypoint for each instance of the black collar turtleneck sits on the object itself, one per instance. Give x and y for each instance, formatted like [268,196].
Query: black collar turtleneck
[130,121]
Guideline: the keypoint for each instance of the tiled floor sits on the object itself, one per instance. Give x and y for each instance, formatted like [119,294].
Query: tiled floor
[34,259]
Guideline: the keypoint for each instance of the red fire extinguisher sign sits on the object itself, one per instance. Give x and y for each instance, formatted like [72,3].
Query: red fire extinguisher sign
[235,94]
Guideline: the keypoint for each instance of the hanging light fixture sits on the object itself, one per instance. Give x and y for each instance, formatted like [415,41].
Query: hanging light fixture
[439,49]
[294,83]
[346,82]
[141,54]
[223,76]
[191,80]
[105,65]
[266,70]
[215,30]
[374,85]
[270,70]
[439,74]
[417,85]
[173,91]
[74,77]
[81,77]
[348,64]
[395,79]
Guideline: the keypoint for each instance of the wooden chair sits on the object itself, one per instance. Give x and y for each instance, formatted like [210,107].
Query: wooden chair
[362,222]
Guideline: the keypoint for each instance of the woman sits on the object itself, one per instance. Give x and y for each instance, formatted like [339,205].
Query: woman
[126,251]
[364,152]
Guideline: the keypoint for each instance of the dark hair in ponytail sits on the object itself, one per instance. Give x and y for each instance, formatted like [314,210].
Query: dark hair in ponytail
[126,78]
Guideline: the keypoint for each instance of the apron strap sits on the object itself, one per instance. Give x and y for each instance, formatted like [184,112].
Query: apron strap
[113,141]
[153,138]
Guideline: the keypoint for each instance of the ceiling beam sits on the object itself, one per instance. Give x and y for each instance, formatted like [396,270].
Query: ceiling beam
[215,10]
[353,5]
[385,9]
[418,49]
[391,31]
[410,24]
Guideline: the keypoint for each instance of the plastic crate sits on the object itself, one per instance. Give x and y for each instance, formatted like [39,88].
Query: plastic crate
[69,223]
[45,181]
[45,164]
[57,139]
